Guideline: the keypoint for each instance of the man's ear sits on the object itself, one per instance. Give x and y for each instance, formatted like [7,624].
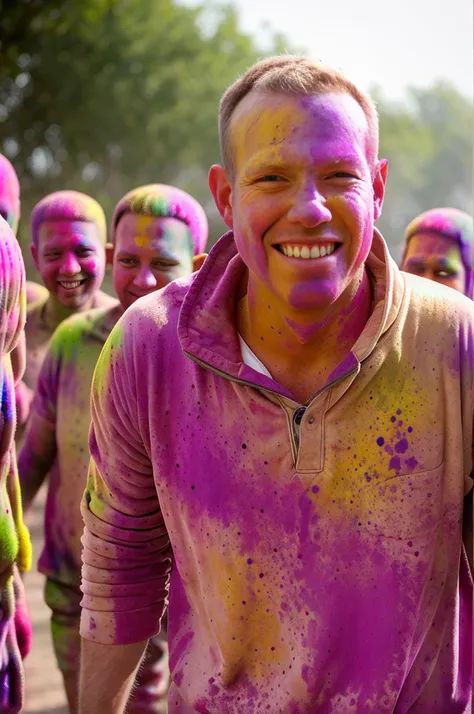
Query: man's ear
[380,179]
[221,189]
[198,260]
[34,254]
[109,253]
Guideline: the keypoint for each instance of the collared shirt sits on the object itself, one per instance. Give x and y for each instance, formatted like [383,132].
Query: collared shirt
[315,550]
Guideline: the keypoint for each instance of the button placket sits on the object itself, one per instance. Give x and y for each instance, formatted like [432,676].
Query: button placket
[311,437]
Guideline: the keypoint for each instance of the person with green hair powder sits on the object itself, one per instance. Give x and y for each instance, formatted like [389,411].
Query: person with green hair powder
[158,234]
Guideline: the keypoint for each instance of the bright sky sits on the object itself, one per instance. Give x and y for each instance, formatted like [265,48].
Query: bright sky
[388,43]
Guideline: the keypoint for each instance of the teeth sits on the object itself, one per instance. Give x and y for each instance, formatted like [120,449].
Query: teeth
[70,285]
[294,251]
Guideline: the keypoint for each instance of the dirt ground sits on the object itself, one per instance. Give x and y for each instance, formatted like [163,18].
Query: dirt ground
[44,693]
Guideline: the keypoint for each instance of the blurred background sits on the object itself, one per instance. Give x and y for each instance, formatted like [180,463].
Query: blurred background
[104,95]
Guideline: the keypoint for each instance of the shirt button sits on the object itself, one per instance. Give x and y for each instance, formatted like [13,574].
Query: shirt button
[298,415]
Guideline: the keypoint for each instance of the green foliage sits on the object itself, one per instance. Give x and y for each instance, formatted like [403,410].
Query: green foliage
[109,95]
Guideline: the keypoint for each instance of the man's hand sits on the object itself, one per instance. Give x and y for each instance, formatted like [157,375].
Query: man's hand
[107,676]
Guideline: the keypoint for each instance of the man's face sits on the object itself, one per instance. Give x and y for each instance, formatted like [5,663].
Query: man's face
[148,254]
[303,198]
[70,257]
[437,258]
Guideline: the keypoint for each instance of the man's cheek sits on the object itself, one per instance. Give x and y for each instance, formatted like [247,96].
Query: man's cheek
[94,267]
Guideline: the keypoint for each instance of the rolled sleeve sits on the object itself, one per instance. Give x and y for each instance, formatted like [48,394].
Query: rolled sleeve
[126,551]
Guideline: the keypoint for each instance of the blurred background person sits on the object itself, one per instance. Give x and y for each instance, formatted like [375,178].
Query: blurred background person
[68,237]
[158,235]
[439,245]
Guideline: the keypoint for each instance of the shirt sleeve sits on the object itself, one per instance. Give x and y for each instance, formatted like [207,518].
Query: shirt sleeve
[126,552]
[46,395]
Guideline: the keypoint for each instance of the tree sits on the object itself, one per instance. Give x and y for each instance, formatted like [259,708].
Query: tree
[127,95]
[428,141]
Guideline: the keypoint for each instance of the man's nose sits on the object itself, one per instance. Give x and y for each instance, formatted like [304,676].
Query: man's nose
[70,265]
[145,279]
[309,208]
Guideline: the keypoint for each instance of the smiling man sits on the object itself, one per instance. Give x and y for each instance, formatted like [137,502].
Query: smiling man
[68,236]
[158,234]
[281,444]
[439,245]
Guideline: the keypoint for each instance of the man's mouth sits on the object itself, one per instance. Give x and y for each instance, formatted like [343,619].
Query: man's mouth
[307,252]
[71,284]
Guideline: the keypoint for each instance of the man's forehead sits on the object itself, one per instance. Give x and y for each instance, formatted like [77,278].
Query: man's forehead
[269,119]
[433,245]
[59,230]
[154,226]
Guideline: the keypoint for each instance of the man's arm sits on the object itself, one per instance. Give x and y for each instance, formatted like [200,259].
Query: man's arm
[107,689]
[126,551]
[39,446]
[36,457]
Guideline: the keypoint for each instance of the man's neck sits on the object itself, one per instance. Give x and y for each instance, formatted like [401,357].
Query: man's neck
[55,312]
[302,348]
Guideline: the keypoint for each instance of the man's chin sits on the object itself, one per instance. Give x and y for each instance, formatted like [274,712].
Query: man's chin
[311,298]
[74,302]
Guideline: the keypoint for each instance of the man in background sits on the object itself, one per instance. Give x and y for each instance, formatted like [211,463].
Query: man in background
[158,235]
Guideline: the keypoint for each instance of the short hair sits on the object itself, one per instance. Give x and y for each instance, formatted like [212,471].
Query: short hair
[68,206]
[297,76]
[162,201]
[450,223]
[9,186]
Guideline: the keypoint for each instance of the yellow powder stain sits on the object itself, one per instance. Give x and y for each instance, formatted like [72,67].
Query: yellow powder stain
[247,627]
[261,131]
[141,241]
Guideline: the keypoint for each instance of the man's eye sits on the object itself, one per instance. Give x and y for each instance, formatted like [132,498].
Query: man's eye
[446,274]
[52,256]
[84,252]
[161,265]
[127,261]
[271,178]
[343,174]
